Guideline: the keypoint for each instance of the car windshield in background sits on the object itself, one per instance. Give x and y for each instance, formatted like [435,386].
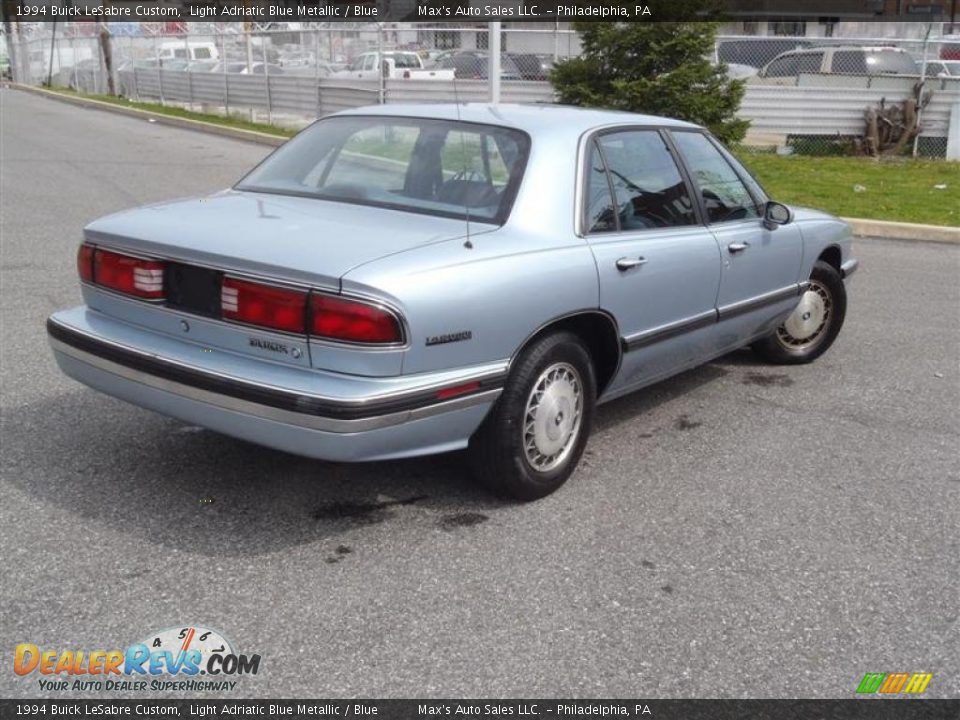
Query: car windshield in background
[420,165]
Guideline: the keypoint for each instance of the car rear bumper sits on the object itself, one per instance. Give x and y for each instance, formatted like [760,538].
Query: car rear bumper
[319,414]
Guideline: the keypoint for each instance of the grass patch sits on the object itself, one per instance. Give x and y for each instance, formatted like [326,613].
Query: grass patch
[233,121]
[897,189]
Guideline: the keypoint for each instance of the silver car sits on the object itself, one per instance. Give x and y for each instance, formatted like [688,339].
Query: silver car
[404,280]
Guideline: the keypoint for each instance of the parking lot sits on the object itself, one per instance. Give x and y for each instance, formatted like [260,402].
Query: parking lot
[739,531]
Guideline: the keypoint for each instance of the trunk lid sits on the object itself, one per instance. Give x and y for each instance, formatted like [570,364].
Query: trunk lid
[297,239]
[279,238]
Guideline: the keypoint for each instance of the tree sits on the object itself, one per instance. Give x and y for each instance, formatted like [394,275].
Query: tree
[661,68]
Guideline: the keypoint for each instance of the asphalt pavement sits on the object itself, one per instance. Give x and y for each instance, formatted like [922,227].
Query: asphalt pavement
[741,530]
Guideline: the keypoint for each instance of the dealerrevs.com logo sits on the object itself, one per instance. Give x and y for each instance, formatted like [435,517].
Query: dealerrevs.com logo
[189,658]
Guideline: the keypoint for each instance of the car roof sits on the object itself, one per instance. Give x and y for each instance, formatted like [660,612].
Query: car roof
[535,119]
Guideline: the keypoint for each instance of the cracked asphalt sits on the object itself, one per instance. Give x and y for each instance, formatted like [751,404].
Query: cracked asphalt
[738,531]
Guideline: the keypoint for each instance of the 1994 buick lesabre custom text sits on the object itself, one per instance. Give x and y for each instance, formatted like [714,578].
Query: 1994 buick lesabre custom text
[403,280]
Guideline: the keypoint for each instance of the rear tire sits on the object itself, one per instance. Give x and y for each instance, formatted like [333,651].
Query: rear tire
[530,443]
[814,324]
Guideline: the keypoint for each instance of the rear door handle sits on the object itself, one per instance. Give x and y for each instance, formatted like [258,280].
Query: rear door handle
[627,263]
[736,247]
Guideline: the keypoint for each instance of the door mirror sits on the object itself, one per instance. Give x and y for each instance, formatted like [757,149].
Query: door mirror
[776,214]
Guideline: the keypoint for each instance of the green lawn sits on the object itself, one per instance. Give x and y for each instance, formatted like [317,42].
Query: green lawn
[899,189]
[233,121]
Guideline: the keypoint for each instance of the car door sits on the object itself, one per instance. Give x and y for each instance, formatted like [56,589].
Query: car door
[761,264]
[658,266]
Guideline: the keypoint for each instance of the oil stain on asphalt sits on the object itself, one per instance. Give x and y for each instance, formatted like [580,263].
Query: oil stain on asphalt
[362,513]
[762,380]
[459,520]
[685,423]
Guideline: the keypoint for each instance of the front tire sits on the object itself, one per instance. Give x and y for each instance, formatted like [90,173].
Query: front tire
[813,325]
[530,443]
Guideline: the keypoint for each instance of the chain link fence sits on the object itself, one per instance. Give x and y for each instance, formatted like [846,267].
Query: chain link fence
[838,96]
[802,95]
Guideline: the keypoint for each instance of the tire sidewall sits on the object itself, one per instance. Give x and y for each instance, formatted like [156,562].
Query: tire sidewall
[558,348]
[827,276]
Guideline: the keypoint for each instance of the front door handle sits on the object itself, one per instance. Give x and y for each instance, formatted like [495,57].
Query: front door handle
[627,263]
[736,247]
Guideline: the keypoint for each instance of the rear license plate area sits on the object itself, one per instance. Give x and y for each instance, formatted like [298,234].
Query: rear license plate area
[193,289]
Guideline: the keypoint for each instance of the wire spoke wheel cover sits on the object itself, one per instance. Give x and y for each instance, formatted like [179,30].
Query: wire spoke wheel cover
[553,416]
[808,323]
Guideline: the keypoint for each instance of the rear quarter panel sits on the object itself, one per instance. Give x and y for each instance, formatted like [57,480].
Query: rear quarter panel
[500,291]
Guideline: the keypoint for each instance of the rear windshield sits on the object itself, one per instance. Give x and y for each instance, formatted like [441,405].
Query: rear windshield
[437,167]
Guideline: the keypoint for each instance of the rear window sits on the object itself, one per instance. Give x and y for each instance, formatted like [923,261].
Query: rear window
[437,167]
[407,60]
[897,63]
[783,67]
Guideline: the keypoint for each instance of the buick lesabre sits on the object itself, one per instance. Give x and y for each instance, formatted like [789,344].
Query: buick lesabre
[403,280]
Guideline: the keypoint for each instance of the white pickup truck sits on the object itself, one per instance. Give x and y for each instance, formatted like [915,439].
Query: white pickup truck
[392,64]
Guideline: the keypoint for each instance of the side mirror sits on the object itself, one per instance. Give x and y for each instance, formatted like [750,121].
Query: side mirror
[775,214]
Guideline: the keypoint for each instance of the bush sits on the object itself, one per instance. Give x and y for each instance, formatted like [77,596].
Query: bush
[661,68]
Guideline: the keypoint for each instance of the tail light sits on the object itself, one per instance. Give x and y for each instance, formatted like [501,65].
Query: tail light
[336,318]
[127,274]
[264,305]
[253,303]
[85,262]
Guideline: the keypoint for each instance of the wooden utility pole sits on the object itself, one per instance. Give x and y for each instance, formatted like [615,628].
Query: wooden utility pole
[105,48]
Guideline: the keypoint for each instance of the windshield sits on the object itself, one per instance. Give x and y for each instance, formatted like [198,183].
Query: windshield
[437,167]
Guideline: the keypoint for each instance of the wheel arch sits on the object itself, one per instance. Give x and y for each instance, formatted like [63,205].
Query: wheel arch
[833,256]
[600,334]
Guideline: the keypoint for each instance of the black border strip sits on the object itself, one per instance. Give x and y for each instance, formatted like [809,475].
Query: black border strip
[735,309]
[720,315]
[669,332]
[271,397]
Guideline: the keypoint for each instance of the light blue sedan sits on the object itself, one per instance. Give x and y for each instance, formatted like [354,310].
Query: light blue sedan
[403,280]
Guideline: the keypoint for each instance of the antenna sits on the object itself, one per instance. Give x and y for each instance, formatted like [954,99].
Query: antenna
[463,156]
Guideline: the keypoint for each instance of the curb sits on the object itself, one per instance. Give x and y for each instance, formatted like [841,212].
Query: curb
[198,125]
[862,228]
[903,231]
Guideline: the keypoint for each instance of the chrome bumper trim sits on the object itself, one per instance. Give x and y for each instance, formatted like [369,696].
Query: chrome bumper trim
[849,268]
[304,410]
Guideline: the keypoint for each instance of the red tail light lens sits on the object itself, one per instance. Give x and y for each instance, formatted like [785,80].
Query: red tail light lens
[127,274]
[85,262]
[264,305]
[337,318]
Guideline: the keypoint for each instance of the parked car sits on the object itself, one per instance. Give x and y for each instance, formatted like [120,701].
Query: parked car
[393,64]
[188,50]
[756,52]
[531,66]
[943,68]
[840,60]
[234,66]
[950,47]
[394,281]
[203,66]
[259,68]
[475,65]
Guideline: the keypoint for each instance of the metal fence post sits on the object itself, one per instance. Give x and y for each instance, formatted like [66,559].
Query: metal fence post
[226,79]
[382,65]
[186,69]
[493,42]
[266,78]
[156,50]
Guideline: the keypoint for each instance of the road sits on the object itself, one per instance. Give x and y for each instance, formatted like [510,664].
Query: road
[738,531]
